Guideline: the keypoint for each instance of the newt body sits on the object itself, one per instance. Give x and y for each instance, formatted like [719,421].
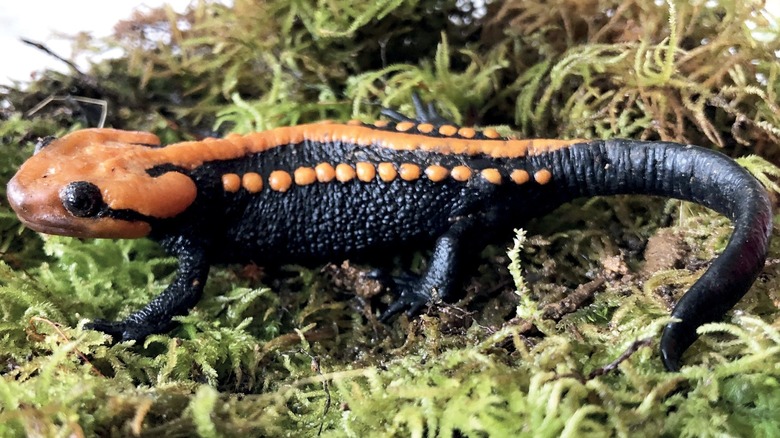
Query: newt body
[328,191]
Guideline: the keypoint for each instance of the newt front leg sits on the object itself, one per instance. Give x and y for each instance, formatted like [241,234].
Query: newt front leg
[177,299]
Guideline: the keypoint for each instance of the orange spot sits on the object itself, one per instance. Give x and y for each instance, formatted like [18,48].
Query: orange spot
[519,176]
[387,171]
[492,175]
[365,171]
[231,182]
[325,172]
[436,173]
[280,180]
[543,176]
[304,176]
[448,130]
[344,172]
[404,126]
[491,133]
[354,123]
[467,132]
[252,182]
[381,123]
[409,171]
[461,173]
[425,128]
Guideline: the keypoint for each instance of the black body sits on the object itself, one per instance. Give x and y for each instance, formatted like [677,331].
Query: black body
[336,221]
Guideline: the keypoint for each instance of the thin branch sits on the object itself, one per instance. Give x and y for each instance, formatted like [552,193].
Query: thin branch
[100,102]
[636,345]
[48,51]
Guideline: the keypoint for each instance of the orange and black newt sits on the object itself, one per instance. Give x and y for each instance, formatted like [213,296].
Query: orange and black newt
[330,191]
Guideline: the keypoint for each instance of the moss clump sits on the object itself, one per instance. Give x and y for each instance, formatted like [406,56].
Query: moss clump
[283,352]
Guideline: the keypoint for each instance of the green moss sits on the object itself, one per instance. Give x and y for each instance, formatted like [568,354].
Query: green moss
[286,352]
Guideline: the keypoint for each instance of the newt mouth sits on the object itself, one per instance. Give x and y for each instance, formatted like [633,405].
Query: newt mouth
[44,213]
[37,214]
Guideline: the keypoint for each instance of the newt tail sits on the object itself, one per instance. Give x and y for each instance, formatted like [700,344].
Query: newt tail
[689,173]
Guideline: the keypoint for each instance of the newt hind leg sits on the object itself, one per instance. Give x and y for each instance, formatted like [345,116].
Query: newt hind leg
[452,253]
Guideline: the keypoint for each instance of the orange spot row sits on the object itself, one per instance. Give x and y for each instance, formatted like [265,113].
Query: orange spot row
[192,154]
[281,181]
[445,130]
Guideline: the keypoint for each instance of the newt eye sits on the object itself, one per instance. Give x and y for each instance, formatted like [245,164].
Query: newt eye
[81,199]
[43,142]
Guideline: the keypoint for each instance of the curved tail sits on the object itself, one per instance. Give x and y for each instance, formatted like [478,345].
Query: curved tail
[689,173]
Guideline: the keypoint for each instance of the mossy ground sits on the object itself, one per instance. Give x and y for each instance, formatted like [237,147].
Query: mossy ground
[295,351]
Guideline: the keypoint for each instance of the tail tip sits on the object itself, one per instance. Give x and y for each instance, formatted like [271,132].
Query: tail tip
[676,338]
[671,357]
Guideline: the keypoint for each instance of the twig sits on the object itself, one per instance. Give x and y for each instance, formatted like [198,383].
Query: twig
[315,366]
[48,51]
[581,295]
[636,345]
[100,102]
[65,337]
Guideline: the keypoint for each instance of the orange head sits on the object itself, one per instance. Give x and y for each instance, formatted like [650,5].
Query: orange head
[95,183]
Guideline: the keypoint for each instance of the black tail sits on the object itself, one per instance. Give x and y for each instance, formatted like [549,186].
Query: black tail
[693,174]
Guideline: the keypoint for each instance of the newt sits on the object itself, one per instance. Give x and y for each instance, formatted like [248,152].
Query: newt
[327,191]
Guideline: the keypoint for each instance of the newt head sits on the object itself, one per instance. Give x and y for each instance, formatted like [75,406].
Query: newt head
[96,183]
